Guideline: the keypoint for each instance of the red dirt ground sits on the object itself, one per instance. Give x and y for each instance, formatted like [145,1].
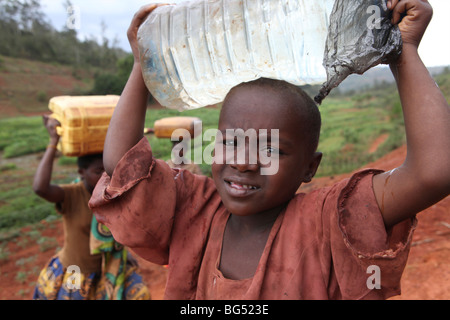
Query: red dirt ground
[426,276]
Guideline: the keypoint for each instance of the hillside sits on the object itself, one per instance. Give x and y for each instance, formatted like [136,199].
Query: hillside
[26,86]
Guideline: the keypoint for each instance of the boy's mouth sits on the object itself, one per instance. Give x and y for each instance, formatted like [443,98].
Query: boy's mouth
[240,188]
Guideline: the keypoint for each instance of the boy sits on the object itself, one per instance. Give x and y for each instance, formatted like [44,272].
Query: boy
[72,203]
[245,235]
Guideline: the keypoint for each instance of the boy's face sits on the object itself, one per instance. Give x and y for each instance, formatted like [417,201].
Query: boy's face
[92,174]
[243,189]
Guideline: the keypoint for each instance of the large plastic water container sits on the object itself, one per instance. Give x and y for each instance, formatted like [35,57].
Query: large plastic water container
[84,122]
[194,52]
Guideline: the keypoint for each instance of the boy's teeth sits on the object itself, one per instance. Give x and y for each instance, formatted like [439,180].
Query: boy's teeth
[243,186]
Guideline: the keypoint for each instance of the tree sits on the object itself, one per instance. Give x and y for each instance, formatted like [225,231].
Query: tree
[113,83]
[26,33]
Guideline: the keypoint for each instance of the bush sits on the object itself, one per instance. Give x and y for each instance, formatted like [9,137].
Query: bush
[108,84]
[42,96]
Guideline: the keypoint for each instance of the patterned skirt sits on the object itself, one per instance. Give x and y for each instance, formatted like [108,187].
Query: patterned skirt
[55,283]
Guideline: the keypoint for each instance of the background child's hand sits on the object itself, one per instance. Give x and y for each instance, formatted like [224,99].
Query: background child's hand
[138,19]
[51,124]
[413,17]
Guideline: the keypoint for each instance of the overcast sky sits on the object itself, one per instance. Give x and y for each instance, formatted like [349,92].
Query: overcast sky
[117,14]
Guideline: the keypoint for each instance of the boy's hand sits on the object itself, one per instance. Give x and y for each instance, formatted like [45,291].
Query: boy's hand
[138,19]
[413,17]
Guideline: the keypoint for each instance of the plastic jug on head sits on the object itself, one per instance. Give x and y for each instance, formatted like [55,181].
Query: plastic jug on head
[194,52]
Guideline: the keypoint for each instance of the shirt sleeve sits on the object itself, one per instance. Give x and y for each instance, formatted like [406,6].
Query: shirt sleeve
[145,200]
[368,260]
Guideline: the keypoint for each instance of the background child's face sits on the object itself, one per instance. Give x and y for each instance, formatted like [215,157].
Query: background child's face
[92,174]
[244,190]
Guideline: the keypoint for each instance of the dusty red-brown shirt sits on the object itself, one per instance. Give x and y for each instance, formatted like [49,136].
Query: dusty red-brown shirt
[320,247]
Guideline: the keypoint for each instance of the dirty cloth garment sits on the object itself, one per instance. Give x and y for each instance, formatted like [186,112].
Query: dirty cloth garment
[320,247]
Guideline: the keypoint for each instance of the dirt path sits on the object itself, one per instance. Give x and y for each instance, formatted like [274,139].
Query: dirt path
[427,274]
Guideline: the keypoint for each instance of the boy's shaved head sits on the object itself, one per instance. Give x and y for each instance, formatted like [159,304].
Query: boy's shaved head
[302,104]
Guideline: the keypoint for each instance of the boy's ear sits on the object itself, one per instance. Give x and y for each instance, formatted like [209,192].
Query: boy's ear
[81,172]
[313,166]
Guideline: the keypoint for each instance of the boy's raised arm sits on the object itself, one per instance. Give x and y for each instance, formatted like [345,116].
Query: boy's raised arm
[127,123]
[424,177]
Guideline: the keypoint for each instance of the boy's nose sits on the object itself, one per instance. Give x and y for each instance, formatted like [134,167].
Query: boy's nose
[245,167]
[245,158]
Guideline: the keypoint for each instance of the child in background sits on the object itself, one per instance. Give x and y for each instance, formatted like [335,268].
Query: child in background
[83,234]
[244,235]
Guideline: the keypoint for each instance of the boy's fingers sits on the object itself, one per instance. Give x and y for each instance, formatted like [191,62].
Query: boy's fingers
[399,9]
[411,8]
[140,17]
[143,12]
[391,4]
[412,17]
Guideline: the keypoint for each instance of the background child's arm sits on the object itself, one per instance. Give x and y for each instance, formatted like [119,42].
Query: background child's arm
[424,177]
[41,183]
[127,124]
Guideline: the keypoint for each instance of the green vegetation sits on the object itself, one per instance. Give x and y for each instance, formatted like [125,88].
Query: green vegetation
[21,136]
[19,206]
[351,125]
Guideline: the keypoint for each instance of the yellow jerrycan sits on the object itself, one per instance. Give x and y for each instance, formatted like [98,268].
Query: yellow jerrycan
[164,128]
[84,122]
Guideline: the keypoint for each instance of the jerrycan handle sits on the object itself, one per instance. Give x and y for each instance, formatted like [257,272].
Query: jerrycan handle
[59,130]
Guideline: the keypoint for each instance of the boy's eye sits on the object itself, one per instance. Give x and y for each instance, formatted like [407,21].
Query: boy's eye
[229,143]
[271,150]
